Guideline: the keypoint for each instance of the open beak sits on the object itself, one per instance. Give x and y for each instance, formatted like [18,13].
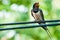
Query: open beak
[37,6]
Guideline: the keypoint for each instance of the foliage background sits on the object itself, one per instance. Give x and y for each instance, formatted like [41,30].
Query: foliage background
[19,10]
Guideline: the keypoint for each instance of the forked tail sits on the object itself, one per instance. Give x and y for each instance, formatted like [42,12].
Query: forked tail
[49,34]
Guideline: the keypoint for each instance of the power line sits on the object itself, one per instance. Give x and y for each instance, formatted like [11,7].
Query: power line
[32,26]
[29,22]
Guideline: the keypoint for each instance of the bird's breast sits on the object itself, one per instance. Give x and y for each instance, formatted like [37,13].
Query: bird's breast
[37,16]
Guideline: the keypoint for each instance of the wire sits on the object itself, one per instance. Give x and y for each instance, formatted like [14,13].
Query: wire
[32,26]
[29,22]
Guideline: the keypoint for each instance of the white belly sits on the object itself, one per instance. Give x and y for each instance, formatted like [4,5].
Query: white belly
[37,16]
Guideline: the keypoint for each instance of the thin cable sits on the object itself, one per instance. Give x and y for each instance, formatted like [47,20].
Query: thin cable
[29,22]
[32,26]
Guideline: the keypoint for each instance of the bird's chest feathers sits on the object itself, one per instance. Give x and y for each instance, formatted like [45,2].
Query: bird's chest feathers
[37,15]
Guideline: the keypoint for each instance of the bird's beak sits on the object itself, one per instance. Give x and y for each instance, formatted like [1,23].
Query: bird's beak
[37,5]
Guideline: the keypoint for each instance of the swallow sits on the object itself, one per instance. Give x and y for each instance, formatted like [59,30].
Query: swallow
[37,14]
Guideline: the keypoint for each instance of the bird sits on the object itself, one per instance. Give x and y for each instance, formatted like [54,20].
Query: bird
[37,14]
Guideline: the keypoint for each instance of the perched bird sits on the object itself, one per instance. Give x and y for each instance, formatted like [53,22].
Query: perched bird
[37,14]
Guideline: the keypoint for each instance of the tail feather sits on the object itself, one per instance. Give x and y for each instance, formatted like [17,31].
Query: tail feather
[49,34]
[46,29]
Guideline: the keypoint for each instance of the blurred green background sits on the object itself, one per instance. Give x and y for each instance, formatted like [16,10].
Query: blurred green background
[19,11]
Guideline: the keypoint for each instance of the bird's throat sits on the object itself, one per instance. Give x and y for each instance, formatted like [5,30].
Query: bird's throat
[35,10]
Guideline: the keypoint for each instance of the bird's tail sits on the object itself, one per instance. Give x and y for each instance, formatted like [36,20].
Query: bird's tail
[48,32]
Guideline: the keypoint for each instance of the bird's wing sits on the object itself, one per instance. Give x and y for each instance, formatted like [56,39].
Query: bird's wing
[32,12]
[41,14]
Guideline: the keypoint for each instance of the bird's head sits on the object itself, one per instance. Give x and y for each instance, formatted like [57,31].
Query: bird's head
[36,5]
